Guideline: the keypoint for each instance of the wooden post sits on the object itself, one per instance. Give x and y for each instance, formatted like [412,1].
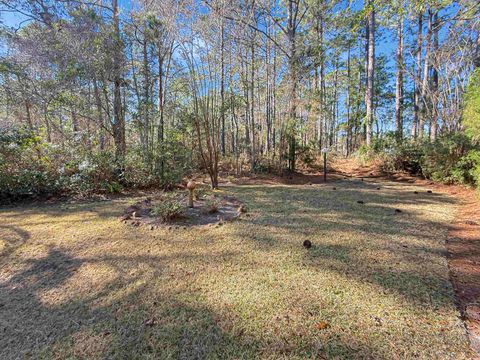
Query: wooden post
[191,188]
[324,152]
[324,167]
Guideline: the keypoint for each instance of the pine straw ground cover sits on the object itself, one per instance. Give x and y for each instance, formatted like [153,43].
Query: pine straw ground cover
[77,283]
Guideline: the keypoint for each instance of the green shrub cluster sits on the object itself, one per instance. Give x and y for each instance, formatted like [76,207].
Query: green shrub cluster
[169,209]
[452,158]
[31,167]
[24,169]
[212,205]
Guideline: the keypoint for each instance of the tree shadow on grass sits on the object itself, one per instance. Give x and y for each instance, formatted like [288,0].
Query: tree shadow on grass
[140,323]
[12,237]
[409,239]
[149,309]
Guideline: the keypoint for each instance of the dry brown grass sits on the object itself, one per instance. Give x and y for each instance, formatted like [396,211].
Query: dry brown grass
[77,283]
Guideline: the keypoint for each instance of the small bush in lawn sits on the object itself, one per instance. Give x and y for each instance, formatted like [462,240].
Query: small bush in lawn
[169,210]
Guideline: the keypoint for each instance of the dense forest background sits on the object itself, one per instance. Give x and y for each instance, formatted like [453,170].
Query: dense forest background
[104,95]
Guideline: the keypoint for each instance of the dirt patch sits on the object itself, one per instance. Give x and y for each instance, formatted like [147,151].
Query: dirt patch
[464,262]
[207,210]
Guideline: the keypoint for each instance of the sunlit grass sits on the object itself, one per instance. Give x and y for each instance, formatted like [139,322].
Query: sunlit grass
[75,282]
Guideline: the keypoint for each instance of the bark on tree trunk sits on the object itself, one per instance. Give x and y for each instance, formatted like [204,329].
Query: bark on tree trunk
[370,73]
[118,118]
[101,119]
[28,107]
[252,107]
[426,64]
[399,81]
[434,91]
[292,65]
[222,90]
[418,76]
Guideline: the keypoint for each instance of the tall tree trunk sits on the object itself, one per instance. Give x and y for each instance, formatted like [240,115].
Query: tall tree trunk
[333,124]
[369,91]
[434,91]
[252,106]
[75,127]
[101,119]
[399,81]
[118,115]
[28,108]
[292,67]
[274,98]
[321,105]
[146,101]
[348,105]
[160,108]
[222,88]
[418,79]
[47,123]
[268,98]
[426,64]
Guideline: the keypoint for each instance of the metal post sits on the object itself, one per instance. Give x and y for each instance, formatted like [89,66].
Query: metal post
[324,152]
[325,166]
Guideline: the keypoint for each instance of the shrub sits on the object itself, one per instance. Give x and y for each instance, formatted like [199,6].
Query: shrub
[169,210]
[90,173]
[164,166]
[394,156]
[467,170]
[30,166]
[471,112]
[202,192]
[442,159]
[111,187]
[451,158]
[212,206]
[307,154]
[24,169]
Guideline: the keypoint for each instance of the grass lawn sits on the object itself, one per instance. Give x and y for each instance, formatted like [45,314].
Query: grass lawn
[77,283]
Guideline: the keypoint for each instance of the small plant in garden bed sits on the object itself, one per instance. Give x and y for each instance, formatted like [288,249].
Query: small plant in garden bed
[211,206]
[169,210]
[172,207]
[202,193]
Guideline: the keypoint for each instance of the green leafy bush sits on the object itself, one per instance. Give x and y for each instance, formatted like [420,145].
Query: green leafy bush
[471,111]
[112,187]
[90,173]
[163,167]
[202,192]
[445,159]
[24,169]
[467,170]
[31,166]
[452,158]
[169,210]
[211,206]
[307,154]
[394,155]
